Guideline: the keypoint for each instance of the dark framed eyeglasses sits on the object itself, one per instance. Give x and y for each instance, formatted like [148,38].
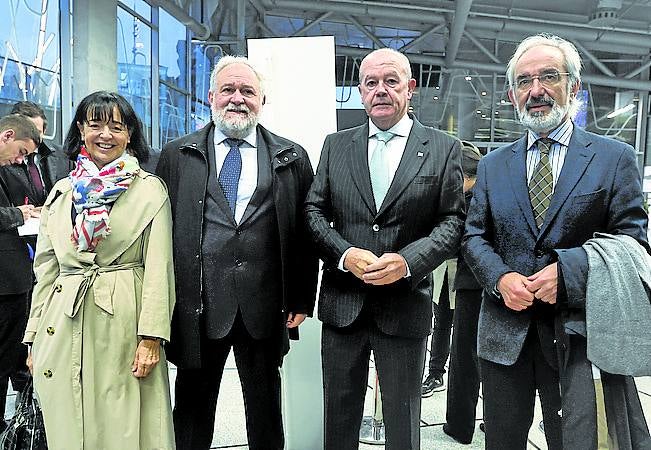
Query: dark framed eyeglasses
[547,79]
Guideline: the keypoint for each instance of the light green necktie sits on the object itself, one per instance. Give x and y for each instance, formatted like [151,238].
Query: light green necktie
[379,169]
[541,185]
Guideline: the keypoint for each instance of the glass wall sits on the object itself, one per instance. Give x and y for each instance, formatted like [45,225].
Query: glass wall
[135,60]
[30,68]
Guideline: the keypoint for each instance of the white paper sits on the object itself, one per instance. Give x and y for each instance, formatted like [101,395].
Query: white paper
[30,227]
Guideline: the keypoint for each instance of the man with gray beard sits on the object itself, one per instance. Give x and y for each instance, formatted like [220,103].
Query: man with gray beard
[536,203]
[245,271]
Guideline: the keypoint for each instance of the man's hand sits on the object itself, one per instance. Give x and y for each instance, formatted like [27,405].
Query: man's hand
[294,320]
[389,268]
[146,358]
[544,283]
[28,211]
[513,288]
[357,259]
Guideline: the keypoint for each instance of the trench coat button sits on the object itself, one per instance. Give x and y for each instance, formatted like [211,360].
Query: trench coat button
[196,256]
[200,201]
[295,154]
[50,330]
[285,159]
[238,263]
[58,288]
[197,310]
[376,227]
[47,373]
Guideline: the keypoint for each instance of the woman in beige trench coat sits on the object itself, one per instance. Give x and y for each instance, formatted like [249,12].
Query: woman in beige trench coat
[105,291]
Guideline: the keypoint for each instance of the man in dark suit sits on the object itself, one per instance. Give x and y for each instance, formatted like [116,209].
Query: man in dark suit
[385,209]
[245,272]
[536,202]
[29,183]
[18,138]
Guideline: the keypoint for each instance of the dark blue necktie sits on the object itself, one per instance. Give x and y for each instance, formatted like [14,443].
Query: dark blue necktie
[229,176]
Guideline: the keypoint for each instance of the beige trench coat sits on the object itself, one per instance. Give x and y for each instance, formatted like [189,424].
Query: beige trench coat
[88,311]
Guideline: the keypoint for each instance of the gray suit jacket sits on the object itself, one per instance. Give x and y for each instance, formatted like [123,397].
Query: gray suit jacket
[421,218]
[598,190]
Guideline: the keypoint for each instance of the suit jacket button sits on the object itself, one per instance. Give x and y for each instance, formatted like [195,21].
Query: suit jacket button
[50,330]
[47,374]
[376,227]
[539,253]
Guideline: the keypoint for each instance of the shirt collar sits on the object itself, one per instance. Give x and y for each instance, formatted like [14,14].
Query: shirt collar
[251,139]
[402,128]
[560,134]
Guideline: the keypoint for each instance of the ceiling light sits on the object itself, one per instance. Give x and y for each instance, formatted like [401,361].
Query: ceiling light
[483,92]
[468,78]
[436,97]
[479,111]
[619,111]
[437,87]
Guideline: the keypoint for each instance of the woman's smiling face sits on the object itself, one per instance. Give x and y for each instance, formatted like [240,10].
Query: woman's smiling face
[105,138]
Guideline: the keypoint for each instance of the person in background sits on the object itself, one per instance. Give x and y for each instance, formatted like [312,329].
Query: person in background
[28,183]
[18,139]
[536,203]
[246,272]
[385,209]
[102,305]
[463,376]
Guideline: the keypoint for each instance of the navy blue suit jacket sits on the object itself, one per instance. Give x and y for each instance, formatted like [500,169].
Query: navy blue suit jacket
[599,189]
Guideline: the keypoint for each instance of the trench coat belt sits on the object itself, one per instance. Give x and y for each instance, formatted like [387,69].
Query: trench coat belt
[102,291]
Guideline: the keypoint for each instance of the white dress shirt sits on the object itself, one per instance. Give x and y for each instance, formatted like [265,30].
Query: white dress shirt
[249,175]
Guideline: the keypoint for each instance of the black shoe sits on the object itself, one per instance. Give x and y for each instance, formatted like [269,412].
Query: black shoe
[482,427]
[433,383]
[456,438]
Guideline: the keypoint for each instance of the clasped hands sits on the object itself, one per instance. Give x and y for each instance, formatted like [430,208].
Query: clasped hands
[29,211]
[519,291]
[371,269]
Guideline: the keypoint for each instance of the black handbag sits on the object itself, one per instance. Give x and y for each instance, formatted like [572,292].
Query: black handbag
[26,430]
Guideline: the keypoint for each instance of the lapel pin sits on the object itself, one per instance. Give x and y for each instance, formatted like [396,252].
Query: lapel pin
[420,154]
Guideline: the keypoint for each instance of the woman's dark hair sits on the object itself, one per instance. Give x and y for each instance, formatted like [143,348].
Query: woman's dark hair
[99,106]
[471,156]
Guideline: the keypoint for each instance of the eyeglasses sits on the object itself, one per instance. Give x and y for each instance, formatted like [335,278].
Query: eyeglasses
[547,79]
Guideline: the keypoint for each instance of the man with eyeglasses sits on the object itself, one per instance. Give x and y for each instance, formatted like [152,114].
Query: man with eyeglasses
[536,203]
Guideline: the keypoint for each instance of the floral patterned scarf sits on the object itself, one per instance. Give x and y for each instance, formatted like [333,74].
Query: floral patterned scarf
[93,193]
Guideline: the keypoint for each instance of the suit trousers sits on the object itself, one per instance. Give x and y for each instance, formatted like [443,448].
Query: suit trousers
[509,398]
[13,319]
[463,379]
[440,345]
[196,390]
[627,427]
[399,362]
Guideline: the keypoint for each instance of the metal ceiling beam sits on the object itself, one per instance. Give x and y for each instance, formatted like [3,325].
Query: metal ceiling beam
[479,45]
[201,31]
[499,24]
[599,80]
[363,29]
[639,70]
[309,26]
[598,64]
[258,7]
[264,27]
[241,28]
[422,37]
[461,11]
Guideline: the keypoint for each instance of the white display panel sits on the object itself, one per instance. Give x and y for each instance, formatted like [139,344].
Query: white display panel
[300,89]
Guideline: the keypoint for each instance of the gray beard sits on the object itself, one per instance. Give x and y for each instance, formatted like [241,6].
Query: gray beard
[539,122]
[233,128]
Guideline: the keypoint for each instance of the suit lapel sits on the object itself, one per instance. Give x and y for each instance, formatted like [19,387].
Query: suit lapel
[358,159]
[577,158]
[415,154]
[517,167]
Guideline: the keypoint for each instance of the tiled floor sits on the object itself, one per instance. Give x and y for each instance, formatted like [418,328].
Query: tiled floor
[230,430]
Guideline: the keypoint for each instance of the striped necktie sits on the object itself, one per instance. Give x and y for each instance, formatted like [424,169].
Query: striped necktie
[379,169]
[229,175]
[541,185]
